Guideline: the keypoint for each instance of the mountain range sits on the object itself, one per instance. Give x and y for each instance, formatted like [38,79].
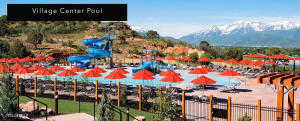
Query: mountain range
[249,34]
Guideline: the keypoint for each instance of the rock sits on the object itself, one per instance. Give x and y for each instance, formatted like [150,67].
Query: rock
[140,118]
[29,106]
[49,111]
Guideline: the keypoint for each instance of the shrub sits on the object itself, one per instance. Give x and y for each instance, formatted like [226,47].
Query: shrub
[7,96]
[245,118]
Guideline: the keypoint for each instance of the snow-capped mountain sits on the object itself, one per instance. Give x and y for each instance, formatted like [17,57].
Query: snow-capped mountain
[249,33]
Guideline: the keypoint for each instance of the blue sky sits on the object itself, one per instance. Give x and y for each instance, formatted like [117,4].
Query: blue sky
[179,17]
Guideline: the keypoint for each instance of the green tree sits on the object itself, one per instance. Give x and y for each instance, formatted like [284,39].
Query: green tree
[194,56]
[273,51]
[106,109]
[124,95]
[245,118]
[18,49]
[4,46]
[235,53]
[35,37]
[152,35]
[166,109]
[4,29]
[7,96]
[204,44]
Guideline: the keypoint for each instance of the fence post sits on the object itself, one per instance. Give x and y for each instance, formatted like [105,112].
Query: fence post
[211,108]
[35,87]
[54,85]
[279,116]
[298,112]
[259,110]
[119,94]
[140,97]
[75,89]
[291,105]
[96,91]
[229,109]
[56,102]
[18,86]
[183,105]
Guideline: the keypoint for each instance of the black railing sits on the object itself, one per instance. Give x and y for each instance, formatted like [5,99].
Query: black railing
[35,100]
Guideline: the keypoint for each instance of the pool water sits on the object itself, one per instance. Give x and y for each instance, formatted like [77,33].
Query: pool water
[220,80]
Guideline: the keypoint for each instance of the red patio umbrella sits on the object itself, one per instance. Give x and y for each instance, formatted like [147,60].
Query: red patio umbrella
[4,68]
[172,79]
[206,69]
[203,80]
[143,77]
[38,58]
[169,73]
[49,58]
[280,57]
[170,58]
[120,70]
[245,62]
[24,71]
[91,74]
[36,67]
[77,69]
[198,71]
[27,59]
[234,61]
[297,58]
[256,55]
[16,67]
[114,75]
[56,68]
[206,59]
[257,63]
[271,63]
[4,60]
[229,73]
[143,72]
[67,73]
[44,72]
[219,60]
[98,70]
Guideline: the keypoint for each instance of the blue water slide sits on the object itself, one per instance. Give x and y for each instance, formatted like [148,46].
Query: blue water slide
[96,49]
[149,65]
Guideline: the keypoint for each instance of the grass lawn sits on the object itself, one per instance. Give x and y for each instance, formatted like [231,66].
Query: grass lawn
[69,106]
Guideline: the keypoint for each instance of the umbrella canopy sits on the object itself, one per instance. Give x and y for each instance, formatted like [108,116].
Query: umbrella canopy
[91,74]
[232,61]
[27,59]
[257,63]
[172,78]
[120,70]
[280,57]
[245,62]
[256,56]
[114,75]
[219,60]
[230,73]
[98,70]
[203,80]
[206,69]
[271,63]
[198,71]
[44,72]
[297,58]
[49,58]
[36,67]
[77,69]
[143,72]
[67,73]
[169,73]
[39,58]
[14,60]
[204,59]
[56,68]
[4,60]
[143,77]
[184,58]
[16,67]
[24,71]
[170,58]
[4,68]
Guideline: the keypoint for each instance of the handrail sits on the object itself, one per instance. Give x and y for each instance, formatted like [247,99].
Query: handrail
[39,102]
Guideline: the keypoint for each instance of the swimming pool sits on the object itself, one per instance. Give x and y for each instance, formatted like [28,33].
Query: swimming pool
[221,80]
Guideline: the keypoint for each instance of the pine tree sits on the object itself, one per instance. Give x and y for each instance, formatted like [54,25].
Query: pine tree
[106,112]
[7,96]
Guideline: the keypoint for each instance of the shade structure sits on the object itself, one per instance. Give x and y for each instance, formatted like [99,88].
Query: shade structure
[120,70]
[257,63]
[16,67]
[36,67]
[39,58]
[280,57]
[219,60]
[169,73]
[271,63]
[98,70]
[91,74]
[27,59]
[184,58]
[56,68]
[67,73]
[14,60]
[234,61]
[230,73]
[143,72]
[77,69]
[24,71]
[49,58]
[245,62]
[198,71]
[257,55]
[204,59]
[4,60]
[172,79]
[4,68]
[143,77]
[203,80]
[44,72]
[170,58]
[114,75]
